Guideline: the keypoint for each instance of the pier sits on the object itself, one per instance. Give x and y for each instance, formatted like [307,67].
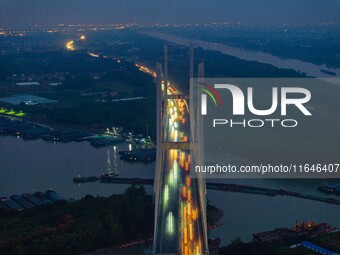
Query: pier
[237,188]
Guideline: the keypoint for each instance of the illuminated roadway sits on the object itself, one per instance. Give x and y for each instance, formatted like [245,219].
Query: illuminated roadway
[180,200]
[180,224]
[179,228]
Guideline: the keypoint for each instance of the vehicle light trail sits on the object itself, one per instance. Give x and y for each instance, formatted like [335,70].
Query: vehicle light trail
[180,211]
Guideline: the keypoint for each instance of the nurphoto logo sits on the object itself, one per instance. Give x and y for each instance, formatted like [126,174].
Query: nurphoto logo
[295,96]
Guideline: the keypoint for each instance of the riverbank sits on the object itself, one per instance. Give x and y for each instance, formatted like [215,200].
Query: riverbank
[91,225]
[27,130]
[304,67]
[290,246]
[44,166]
[84,225]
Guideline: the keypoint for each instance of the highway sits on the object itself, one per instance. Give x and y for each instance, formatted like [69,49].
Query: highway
[179,229]
[179,223]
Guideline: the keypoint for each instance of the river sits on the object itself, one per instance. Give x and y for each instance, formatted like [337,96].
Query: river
[29,166]
[309,68]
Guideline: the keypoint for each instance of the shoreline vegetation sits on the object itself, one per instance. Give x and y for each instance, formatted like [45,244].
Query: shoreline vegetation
[82,226]
[93,225]
[77,227]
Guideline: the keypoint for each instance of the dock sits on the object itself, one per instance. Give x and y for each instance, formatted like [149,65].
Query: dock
[238,188]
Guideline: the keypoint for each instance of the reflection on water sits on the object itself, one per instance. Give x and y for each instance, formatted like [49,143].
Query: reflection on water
[29,166]
[245,214]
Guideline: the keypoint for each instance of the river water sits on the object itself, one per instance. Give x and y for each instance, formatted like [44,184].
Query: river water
[29,166]
[309,68]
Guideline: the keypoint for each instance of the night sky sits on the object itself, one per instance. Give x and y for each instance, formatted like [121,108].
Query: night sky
[22,12]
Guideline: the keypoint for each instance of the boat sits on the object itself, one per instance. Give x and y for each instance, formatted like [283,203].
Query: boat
[92,178]
[144,155]
[326,189]
[106,142]
[107,178]
[331,189]
[80,179]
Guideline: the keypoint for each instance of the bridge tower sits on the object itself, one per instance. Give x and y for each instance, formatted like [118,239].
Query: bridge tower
[180,197]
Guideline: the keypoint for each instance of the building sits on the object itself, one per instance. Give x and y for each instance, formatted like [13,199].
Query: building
[317,248]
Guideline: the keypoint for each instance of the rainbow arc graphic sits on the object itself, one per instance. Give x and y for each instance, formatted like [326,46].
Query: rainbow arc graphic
[213,94]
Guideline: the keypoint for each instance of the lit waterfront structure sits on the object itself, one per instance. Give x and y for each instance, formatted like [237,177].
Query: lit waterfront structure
[70,45]
[180,200]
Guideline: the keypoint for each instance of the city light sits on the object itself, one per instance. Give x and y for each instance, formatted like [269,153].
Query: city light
[145,69]
[70,45]
[93,55]
[12,112]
